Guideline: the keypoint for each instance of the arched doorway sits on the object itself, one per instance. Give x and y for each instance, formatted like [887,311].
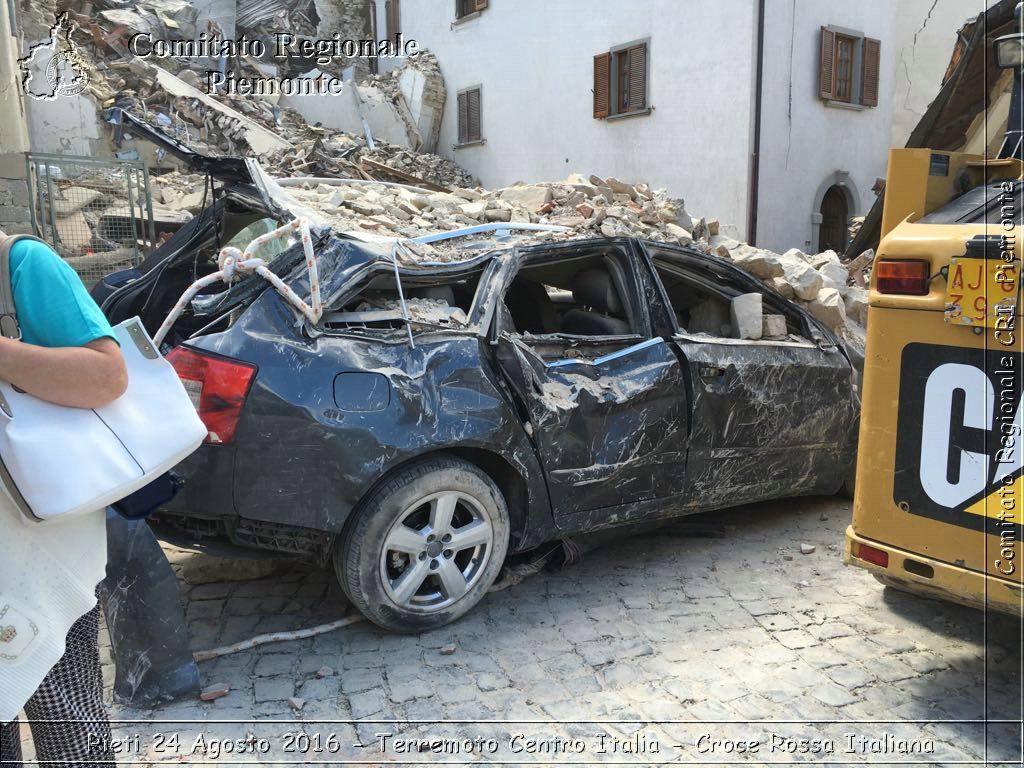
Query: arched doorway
[835,217]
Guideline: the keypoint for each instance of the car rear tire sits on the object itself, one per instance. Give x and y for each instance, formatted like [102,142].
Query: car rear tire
[425,547]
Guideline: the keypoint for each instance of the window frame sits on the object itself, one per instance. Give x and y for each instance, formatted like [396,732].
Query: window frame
[686,264]
[637,313]
[469,141]
[856,40]
[853,43]
[619,77]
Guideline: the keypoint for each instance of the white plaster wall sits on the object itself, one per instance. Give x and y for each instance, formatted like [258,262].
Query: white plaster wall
[805,142]
[926,31]
[66,125]
[341,112]
[534,61]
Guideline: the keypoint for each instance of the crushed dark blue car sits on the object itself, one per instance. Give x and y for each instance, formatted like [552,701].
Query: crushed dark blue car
[443,415]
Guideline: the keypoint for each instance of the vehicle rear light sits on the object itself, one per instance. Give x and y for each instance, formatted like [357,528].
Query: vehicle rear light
[872,555]
[909,278]
[217,387]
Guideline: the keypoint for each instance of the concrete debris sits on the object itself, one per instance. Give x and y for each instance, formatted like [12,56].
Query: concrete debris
[426,311]
[782,287]
[825,257]
[389,211]
[309,135]
[533,197]
[296,703]
[761,264]
[854,229]
[214,691]
[856,301]
[835,275]
[828,307]
[774,327]
[747,316]
[804,279]
[860,266]
[807,549]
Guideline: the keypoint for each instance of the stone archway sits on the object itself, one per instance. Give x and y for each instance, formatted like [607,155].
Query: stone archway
[839,188]
[835,218]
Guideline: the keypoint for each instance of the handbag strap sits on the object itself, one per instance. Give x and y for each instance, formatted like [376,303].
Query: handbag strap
[8,312]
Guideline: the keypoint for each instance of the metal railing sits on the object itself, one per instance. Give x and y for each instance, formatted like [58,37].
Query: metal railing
[97,214]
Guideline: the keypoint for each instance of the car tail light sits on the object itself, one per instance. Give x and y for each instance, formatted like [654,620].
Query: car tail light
[217,386]
[872,555]
[909,278]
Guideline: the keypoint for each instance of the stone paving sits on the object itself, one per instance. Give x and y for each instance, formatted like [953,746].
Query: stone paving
[677,649]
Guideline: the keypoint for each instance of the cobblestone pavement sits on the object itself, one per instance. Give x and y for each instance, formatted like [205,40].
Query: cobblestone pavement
[647,631]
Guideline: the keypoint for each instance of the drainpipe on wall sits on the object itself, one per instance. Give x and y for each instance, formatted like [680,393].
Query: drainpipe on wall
[755,158]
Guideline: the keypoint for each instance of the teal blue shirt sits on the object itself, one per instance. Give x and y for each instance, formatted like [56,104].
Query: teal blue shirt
[54,309]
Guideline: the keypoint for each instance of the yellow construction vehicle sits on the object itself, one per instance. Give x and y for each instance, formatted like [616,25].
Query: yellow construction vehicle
[939,501]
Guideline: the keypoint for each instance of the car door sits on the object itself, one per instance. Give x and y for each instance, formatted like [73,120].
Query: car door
[770,418]
[607,412]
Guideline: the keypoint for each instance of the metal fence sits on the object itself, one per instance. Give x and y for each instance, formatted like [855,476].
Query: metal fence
[97,214]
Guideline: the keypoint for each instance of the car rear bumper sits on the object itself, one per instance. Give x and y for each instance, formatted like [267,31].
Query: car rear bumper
[240,537]
[934,578]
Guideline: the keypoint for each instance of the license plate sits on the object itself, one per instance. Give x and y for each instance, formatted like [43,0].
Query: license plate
[980,290]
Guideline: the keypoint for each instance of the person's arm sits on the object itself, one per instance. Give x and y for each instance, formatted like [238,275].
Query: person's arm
[68,354]
[82,377]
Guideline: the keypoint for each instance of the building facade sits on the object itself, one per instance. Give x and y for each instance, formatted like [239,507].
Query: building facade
[778,126]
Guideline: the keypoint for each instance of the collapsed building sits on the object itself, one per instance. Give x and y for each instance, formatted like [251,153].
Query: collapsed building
[379,131]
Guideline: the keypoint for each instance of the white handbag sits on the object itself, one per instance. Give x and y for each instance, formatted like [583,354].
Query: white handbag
[57,461]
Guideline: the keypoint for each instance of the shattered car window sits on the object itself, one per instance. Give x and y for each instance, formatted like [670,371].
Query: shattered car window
[266,251]
[431,304]
[584,294]
[703,304]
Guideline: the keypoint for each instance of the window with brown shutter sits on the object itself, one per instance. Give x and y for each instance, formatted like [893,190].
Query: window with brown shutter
[871,61]
[602,85]
[620,81]
[468,104]
[848,68]
[636,83]
[827,72]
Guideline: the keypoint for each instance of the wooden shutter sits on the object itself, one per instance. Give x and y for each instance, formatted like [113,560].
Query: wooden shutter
[473,128]
[637,93]
[479,5]
[827,64]
[602,85]
[463,117]
[871,58]
[393,17]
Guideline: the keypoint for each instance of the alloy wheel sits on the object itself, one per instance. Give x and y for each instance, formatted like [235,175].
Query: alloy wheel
[436,551]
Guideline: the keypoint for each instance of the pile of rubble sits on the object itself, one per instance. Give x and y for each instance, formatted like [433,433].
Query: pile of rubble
[589,207]
[175,100]
[424,193]
[435,169]
[830,290]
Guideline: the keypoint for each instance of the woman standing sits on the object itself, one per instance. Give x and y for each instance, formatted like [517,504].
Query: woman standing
[49,618]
